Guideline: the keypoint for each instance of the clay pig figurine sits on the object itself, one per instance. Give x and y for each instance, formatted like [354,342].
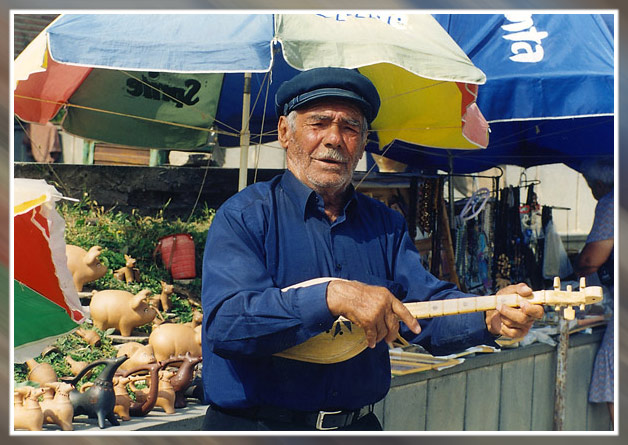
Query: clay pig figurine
[172,339]
[84,265]
[129,273]
[120,310]
[138,354]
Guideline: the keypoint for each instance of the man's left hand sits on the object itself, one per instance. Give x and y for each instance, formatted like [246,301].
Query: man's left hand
[513,322]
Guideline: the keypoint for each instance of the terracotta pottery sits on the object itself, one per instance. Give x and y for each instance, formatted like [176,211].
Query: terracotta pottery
[89,336]
[123,400]
[163,299]
[120,310]
[173,339]
[166,393]
[138,354]
[129,273]
[75,365]
[183,377]
[84,265]
[41,372]
[27,414]
[197,319]
[144,405]
[58,410]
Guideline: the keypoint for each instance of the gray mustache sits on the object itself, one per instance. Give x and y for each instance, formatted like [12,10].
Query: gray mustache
[332,155]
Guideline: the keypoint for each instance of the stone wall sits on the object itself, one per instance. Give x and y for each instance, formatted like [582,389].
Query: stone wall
[146,189]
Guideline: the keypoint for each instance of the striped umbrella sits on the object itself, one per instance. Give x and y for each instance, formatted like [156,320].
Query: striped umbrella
[45,301]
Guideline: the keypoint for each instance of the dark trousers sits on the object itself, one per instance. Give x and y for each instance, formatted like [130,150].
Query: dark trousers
[216,420]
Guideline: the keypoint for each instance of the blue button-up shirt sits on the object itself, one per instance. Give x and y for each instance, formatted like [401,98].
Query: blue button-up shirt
[275,234]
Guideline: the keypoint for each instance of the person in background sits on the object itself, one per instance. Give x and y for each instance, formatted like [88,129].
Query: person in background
[597,256]
[306,223]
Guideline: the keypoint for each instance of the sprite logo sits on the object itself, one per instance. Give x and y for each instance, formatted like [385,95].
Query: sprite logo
[150,88]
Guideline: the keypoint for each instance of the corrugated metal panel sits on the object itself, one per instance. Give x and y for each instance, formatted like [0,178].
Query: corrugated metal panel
[26,27]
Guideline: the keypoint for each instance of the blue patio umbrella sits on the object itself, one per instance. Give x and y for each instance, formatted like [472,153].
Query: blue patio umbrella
[549,94]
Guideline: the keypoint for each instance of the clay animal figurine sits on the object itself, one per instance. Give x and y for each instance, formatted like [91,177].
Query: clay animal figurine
[120,310]
[41,372]
[129,272]
[84,265]
[197,319]
[183,377]
[98,400]
[76,366]
[166,394]
[165,391]
[89,335]
[59,409]
[146,400]
[164,297]
[172,339]
[138,354]
[123,400]
[27,414]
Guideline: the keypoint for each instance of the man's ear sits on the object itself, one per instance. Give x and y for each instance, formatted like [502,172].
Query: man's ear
[283,131]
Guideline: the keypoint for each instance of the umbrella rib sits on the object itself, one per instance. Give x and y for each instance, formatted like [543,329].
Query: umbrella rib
[257,148]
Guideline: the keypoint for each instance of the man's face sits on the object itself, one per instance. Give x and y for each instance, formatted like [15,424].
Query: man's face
[325,145]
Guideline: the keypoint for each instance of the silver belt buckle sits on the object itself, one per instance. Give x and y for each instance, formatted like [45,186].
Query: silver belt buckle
[320,419]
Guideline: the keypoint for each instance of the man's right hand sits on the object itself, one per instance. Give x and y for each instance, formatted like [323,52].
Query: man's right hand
[373,308]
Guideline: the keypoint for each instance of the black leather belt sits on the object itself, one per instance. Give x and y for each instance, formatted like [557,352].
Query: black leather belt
[320,420]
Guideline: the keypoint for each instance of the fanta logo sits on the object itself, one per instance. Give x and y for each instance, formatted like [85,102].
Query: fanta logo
[151,89]
[526,45]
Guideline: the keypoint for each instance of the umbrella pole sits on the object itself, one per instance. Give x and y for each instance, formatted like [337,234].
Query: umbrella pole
[452,211]
[245,133]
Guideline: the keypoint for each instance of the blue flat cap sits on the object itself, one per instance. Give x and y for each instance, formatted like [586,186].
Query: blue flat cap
[319,83]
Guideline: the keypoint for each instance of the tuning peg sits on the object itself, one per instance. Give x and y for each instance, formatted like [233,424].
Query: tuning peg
[556,283]
[583,283]
[582,306]
[569,313]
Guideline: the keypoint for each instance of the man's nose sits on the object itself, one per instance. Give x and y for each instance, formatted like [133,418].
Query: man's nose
[333,136]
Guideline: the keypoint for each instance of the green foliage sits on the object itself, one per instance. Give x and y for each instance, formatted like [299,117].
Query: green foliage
[118,233]
[74,346]
[87,224]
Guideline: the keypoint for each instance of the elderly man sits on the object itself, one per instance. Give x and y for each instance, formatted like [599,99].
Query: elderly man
[308,223]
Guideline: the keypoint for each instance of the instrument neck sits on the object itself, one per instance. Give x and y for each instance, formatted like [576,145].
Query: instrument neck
[438,308]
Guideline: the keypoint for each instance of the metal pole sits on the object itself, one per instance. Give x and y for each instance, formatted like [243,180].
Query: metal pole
[245,133]
[452,211]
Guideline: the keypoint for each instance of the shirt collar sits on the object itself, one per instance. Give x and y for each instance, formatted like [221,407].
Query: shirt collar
[301,194]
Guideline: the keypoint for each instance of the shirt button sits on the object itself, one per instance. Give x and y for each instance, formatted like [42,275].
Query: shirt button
[338,266]
[334,394]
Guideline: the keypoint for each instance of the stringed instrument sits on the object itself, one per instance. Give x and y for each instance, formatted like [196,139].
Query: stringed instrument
[346,340]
